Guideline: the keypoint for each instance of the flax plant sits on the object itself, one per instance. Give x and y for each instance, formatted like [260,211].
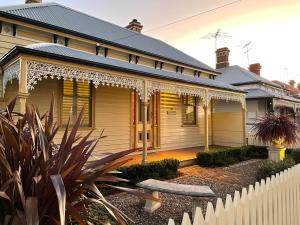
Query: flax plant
[44,183]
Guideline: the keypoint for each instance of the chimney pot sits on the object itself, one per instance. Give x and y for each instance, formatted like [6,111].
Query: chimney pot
[33,1]
[222,55]
[292,83]
[255,68]
[135,25]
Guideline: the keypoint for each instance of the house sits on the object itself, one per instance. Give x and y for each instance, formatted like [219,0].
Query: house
[133,85]
[290,87]
[263,96]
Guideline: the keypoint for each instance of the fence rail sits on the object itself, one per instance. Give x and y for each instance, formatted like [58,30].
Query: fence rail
[274,201]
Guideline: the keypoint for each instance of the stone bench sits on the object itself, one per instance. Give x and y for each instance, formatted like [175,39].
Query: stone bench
[156,186]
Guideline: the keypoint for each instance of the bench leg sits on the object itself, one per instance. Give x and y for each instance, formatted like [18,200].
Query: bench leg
[151,205]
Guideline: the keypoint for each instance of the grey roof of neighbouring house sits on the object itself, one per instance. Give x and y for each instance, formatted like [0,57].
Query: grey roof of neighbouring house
[237,75]
[256,93]
[59,17]
[64,53]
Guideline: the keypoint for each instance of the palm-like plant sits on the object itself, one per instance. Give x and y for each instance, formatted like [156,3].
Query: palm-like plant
[44,183]
[276,129]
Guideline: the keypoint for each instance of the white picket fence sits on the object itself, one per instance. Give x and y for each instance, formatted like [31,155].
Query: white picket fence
[275,201]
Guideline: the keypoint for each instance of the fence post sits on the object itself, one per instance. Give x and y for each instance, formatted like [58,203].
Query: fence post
[210,218]
[198,218]
[229,210]
[252,205]
[220,212]
[186,219]
[258,196]
[238,209]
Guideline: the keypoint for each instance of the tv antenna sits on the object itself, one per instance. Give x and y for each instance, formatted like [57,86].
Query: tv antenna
[287,74]
[216,35]
[247,49]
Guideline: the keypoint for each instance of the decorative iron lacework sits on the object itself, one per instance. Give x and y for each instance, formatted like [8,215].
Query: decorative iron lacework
[154,86]
[37,71]
[227,96]
[283,103]
[12,72]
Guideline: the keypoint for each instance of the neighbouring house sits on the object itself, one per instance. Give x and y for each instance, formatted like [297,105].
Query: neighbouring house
[290,88]
[133,85]
[263,96]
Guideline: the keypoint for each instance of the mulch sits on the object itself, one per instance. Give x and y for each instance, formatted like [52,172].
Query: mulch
[222,181]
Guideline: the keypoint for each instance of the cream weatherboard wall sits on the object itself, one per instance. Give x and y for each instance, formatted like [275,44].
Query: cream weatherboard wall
[175,135]
[111,110]
[227,123]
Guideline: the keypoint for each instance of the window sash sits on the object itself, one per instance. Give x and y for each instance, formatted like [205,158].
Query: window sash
[75,95]
[189,110]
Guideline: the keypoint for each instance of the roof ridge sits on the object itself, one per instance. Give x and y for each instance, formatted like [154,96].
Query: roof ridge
[26,6]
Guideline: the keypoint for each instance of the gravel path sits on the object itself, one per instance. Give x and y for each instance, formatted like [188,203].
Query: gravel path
[221,180]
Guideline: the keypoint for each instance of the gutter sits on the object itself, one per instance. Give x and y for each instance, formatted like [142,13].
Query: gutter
[17,50]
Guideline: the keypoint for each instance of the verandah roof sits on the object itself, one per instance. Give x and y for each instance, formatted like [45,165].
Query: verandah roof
[56,51]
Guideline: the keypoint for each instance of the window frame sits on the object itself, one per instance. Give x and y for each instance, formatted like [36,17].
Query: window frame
[91,105]
[195,123]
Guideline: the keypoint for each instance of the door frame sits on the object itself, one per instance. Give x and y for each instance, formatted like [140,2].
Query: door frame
[154,107]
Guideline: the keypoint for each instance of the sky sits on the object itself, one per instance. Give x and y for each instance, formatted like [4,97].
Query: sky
[273,27]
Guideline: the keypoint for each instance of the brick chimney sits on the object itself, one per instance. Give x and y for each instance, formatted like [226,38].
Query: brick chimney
[222,55]
[135,25]
[255,68]
[33,1]
[292,83]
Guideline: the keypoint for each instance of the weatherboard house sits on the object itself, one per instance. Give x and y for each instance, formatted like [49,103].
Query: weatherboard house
[263,96]
[133,86]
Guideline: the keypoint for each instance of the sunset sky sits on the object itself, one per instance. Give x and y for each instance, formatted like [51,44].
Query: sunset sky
[272,25]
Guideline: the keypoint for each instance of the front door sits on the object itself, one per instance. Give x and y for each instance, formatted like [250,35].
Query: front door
[152,122]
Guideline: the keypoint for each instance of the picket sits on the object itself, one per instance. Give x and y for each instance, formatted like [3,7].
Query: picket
[275,201]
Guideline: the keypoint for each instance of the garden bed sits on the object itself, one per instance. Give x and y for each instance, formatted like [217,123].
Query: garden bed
[222,181]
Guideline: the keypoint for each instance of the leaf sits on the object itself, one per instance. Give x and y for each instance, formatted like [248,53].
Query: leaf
[32,212]
[4,195]
[61,196]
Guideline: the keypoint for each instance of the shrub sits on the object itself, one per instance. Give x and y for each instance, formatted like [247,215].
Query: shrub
[256,152]
[295,155]
[269,168]
[276,128]
[226,157]
[164,169]
[45,183]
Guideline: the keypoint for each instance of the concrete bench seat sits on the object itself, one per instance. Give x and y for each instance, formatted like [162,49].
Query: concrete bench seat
[156,186]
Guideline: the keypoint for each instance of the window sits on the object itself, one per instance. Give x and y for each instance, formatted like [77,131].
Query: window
[189,110]
[75,96]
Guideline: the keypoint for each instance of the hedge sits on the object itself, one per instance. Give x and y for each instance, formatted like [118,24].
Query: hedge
[294,154]
[270,168]
[226,157]
[164,169]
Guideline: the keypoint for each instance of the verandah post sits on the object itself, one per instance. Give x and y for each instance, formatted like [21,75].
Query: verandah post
[244,121]
[23,89]
[145,107]
[205,107]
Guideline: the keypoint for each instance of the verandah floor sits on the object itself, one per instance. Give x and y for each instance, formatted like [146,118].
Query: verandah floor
[184,154]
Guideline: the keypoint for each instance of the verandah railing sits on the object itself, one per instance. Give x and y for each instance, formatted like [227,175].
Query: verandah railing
[275,201]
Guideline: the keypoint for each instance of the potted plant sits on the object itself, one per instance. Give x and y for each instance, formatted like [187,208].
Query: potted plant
[276,130]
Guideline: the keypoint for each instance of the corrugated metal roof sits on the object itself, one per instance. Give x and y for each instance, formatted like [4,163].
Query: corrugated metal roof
[73,54]
[69,19]
[237,75]
[259,93]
